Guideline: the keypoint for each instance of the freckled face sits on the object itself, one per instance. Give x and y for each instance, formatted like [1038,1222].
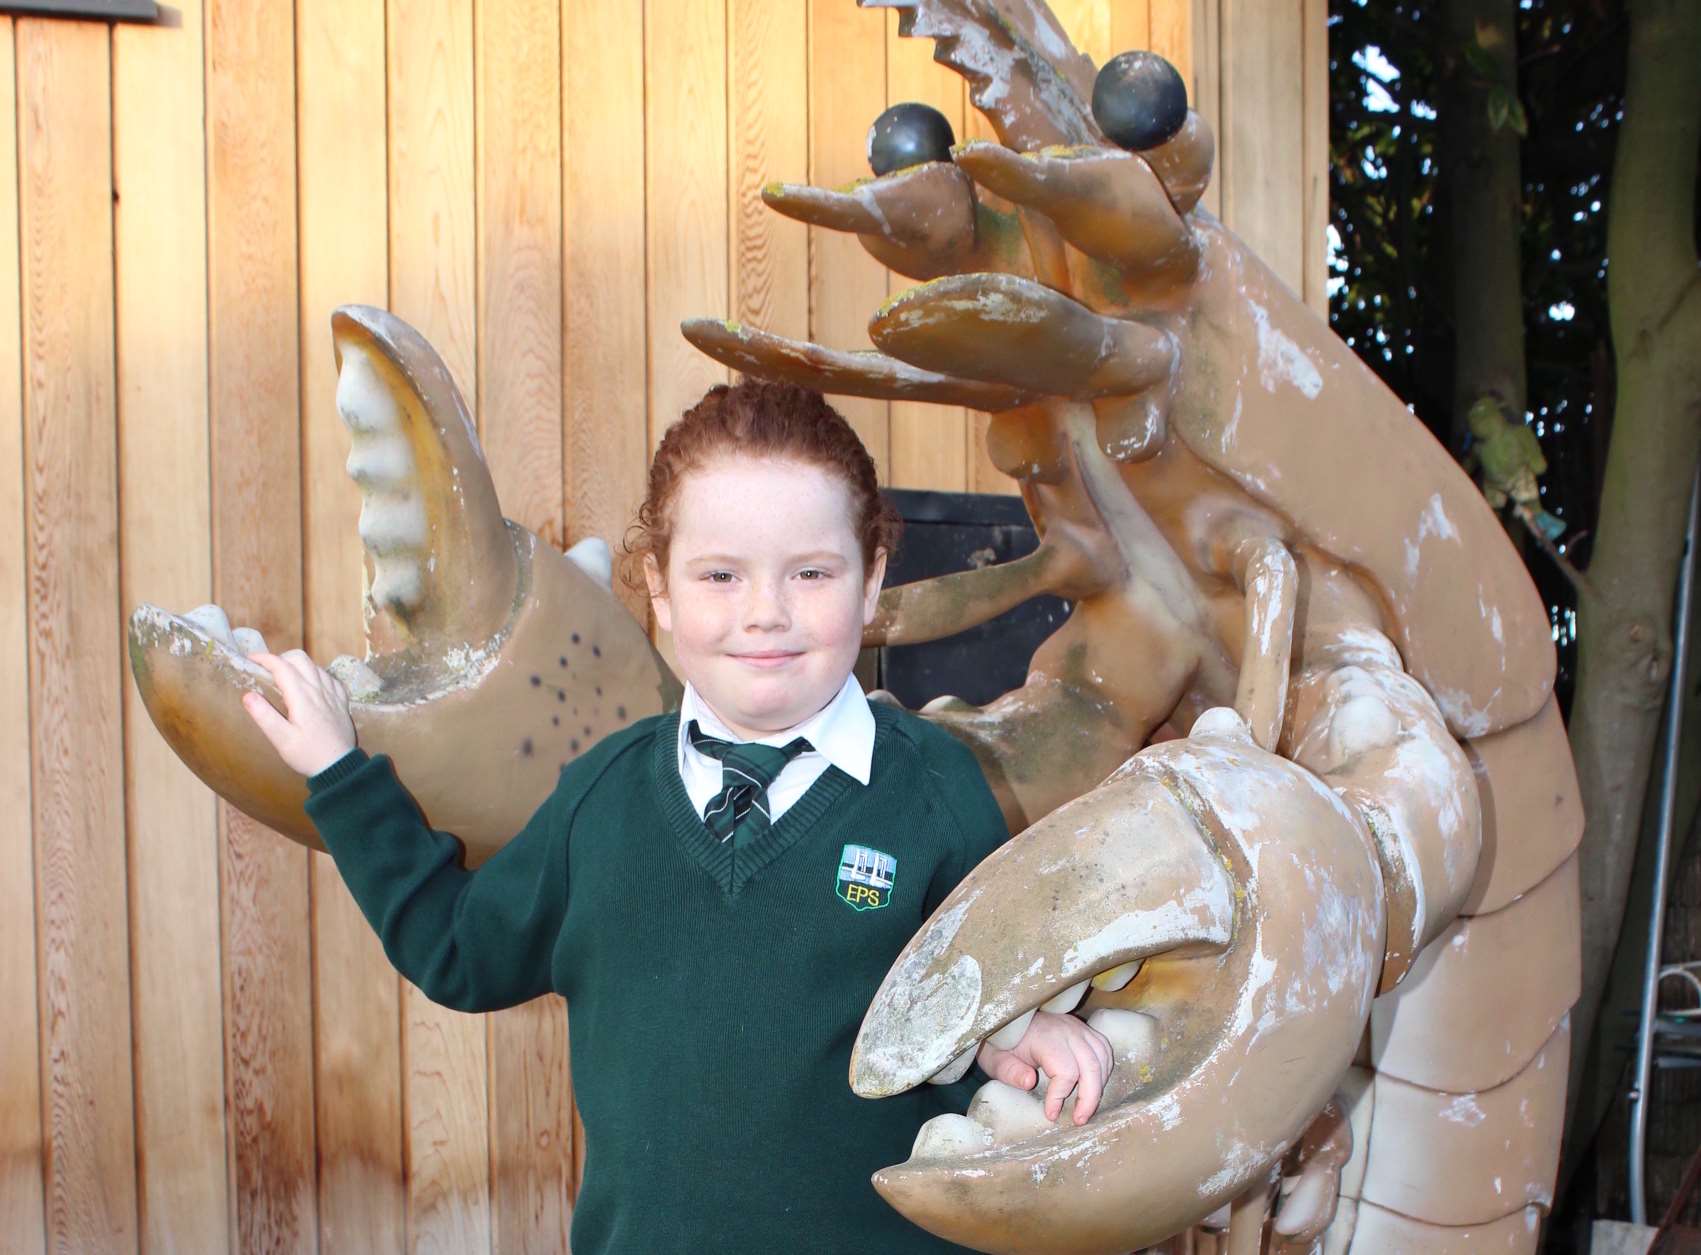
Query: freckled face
[765,591]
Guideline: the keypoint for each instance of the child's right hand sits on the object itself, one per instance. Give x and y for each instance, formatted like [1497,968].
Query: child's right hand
[318,730]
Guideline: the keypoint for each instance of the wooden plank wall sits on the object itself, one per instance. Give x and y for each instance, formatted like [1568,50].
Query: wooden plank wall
[204,1048]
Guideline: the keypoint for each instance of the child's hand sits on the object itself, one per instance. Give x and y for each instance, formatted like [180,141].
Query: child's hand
[1073,1055]
[318,730]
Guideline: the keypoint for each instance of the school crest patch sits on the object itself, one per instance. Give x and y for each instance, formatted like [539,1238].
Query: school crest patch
[865,877]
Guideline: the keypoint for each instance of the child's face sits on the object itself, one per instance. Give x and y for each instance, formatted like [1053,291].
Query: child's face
[765,591]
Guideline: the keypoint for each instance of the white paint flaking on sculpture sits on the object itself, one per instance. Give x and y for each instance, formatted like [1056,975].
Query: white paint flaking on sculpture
[1280,360]
[1434,521]
[1150,931]
[1464,714]
[1464,1109]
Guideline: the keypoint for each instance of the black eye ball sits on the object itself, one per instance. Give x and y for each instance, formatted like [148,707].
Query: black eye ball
[908,135]
[1139,100]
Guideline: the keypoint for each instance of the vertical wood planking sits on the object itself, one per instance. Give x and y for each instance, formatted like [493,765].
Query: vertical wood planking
[1169,33]
[70,450]
[1206,86]
[768,139]
[982,475]
[518,111]
[930,443]
[1314,38]
[1089,24]
[254,403]
[104,367]
[432,192]
[1262,133]
[605,350]
[159,153]
[433,286]
[340,101]
[1133,23]
[340,63]
[531,1127]
[518,84]
[686,176]
[686,199]
[847,91]
[21,1217]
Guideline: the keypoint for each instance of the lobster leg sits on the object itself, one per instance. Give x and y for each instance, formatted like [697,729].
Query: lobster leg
[1107,203]
[922,222]
[857,374]
[1266,573]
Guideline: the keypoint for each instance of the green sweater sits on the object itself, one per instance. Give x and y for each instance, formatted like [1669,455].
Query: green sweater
[714,993]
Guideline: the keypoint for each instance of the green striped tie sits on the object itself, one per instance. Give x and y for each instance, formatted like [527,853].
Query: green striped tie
[739,812]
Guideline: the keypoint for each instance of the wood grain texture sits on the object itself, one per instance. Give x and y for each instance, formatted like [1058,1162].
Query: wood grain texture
[1314,124]
[1207,88]
[981,474]
[605,349]
[1261,138]
[432,190]
[70,450]
[160,228]
[344,206]
[444,1054]
[531,1127]
[768,138]
[1089,23]
[1132,25]
[929,443]
[22,1222]
[1171,34]
[254,403]
[847,91]
[518,84]
[686,199]
[433,250]
[518,87]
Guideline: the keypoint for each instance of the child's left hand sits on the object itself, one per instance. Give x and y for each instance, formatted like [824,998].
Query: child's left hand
[1073,1055]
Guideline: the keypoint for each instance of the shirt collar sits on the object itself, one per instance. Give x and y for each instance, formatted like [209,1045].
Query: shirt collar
[842,731]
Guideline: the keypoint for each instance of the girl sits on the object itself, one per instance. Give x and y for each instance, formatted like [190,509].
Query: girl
[717,892]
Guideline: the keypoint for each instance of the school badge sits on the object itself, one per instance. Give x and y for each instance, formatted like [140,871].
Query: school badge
[865,877]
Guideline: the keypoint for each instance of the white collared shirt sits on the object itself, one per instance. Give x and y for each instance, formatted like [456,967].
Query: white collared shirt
[841,732]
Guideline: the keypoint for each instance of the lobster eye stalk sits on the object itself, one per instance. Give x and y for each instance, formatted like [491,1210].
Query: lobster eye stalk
[1139,100]
[909,134]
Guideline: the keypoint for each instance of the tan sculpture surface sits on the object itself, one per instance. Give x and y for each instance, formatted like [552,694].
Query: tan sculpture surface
[1291,792]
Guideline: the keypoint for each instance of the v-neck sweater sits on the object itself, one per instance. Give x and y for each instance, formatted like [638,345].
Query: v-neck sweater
[714,993]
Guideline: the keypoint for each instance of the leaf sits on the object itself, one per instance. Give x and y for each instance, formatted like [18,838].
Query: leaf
[1506,113]
[1478,58]
[1519,121]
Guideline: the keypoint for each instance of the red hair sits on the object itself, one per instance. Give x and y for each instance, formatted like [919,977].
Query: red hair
[758,419]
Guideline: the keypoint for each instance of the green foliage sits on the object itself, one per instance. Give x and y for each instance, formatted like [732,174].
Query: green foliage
[1505,113]
[1391,289]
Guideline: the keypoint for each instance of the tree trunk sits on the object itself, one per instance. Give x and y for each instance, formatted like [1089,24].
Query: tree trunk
[1624,611]
[1485,208]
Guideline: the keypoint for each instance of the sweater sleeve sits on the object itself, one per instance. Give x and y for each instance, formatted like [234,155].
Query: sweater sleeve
[471,940]
[974,811]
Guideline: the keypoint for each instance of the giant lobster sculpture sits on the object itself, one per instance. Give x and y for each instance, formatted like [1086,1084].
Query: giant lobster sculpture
[1294,812]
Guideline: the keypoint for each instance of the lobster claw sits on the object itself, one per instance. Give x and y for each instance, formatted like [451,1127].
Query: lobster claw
[1254,897]
[920,221]
[479,632]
